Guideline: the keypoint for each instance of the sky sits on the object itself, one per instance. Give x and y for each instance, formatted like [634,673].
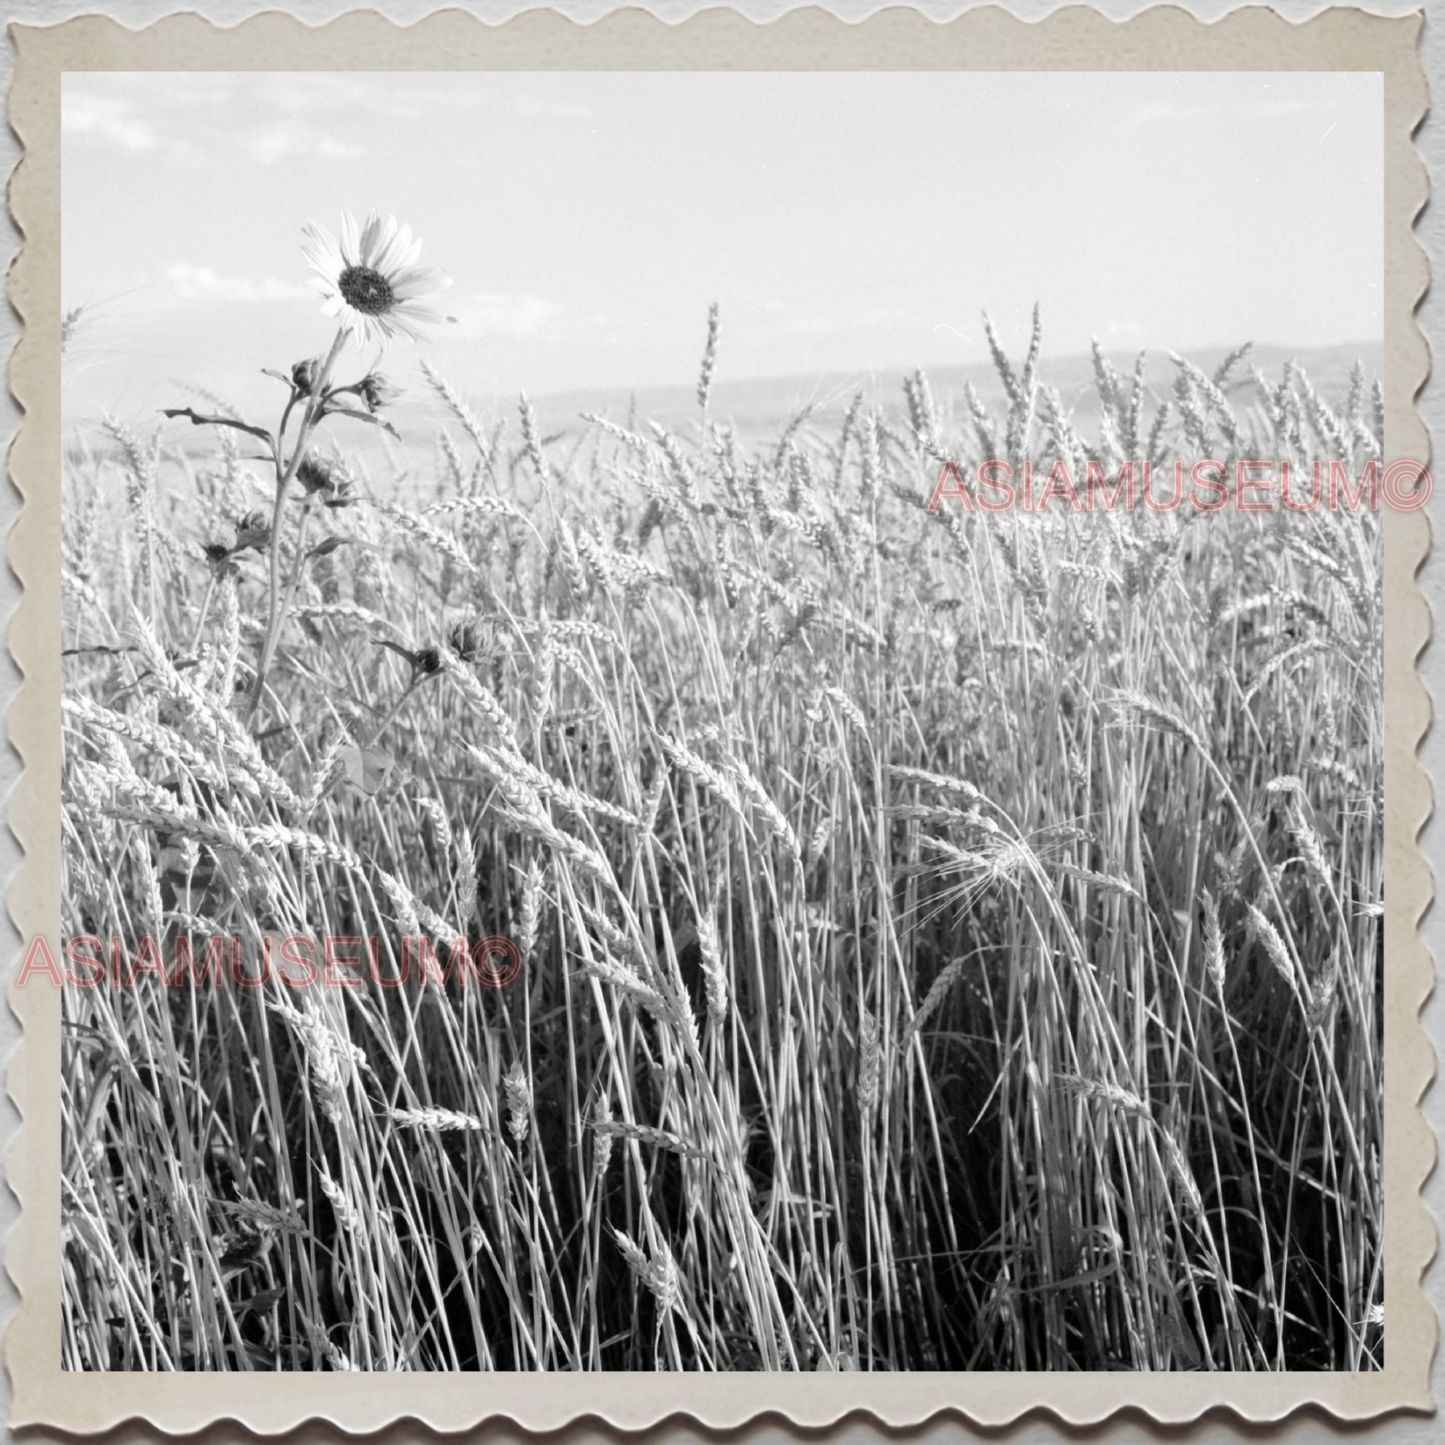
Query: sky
[842,221]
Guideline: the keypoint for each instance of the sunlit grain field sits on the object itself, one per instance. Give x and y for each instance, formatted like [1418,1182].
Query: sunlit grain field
[948,940]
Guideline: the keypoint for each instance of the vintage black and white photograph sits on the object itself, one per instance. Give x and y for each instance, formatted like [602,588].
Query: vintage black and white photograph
[722,721]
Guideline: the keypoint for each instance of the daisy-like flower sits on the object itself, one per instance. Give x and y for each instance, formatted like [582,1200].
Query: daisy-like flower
[371,279]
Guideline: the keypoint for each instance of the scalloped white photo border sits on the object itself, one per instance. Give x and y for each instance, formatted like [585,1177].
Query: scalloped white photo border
[1076,38]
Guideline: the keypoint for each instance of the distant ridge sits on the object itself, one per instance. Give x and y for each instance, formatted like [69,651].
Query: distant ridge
[762,405]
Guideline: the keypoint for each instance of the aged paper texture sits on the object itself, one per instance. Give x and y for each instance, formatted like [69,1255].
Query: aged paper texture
[649,806]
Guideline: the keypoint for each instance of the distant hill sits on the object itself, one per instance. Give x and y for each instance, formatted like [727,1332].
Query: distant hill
[762,406]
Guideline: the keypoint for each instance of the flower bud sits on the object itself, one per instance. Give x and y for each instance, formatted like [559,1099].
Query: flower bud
[314,474]
[253,530]
[341,492]
[469,639]
[303,375]
[376,391]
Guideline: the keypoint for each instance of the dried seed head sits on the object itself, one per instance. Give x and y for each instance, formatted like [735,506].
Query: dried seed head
[466,857]
[663,1280]
[1308,842]
[714,972]
[636,1260]
[822,835]
[1274,946]
[601,1137]
[540,695]
[1322,993]
[868,1062]
[338,1359]
[332,1059]
[346,1216]
[1123,1099]
[872,463]
[519,1100]
[937,992]
[440,1120]
[531,907]
[530,439]
[709,357]
[658,1274]
[1213,943]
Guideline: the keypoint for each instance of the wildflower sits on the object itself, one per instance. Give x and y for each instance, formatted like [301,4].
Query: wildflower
[371,279]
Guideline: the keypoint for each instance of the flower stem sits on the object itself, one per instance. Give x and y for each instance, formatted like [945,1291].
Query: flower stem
[299,564]
[276,615]
[396,707]
[205,610]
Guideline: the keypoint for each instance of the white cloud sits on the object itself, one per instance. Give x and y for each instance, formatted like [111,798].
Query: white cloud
[402,98]
[488,316]
[289,138]
[1162,111]
[194,283]
[105,119]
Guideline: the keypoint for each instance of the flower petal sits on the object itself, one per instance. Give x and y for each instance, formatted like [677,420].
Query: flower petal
[420,282]
[373,240]
[392,252]
[418,312]
[349,250]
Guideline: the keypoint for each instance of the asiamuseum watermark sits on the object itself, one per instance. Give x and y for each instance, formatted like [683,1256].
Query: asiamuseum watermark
[334,961]
[1249,484]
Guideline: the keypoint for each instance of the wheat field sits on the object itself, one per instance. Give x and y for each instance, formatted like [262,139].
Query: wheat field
[947,941]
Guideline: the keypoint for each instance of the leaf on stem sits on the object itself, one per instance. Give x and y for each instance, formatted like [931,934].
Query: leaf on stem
[198,420]
[360,416]
[425,661]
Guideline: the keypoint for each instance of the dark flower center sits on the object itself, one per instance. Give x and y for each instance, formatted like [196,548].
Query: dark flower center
[366,290]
